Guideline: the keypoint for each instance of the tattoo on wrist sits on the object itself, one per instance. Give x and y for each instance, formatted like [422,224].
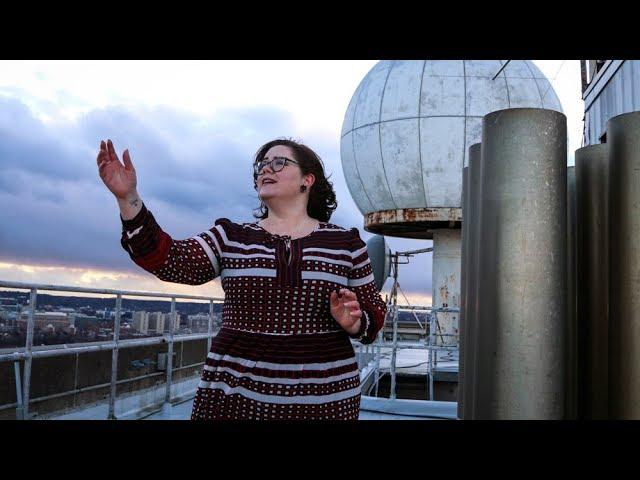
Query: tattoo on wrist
[134,202]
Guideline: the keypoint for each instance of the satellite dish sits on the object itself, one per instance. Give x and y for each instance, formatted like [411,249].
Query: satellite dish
[380,256]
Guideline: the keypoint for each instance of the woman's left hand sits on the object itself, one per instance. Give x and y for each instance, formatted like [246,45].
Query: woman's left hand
[346,310]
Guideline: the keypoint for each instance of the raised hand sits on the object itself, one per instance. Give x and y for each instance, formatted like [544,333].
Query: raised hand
[345,309]
[119,178]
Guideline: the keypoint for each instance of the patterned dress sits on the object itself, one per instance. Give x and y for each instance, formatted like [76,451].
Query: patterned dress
[279,354]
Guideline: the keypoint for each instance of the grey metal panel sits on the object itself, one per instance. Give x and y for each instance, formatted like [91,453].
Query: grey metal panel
[473,134]
[598,123]
[617,84]
[535,71]
[551,101]
[368,108]
[601,80]
[523,92]
[635,86]
[616,92]
[401,154]
[485,95]
[447,68]
[624,265]
[626,76]
[517,69]
[402,91]
[523,270]
[350,171]
[433,102]
[369,165]
[482,68]
[591,173]
[347,123]
[442,160]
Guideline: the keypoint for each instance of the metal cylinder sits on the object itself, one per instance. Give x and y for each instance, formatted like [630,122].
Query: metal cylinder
[623,137]
[463,293]
[522,281]
[571,403]
[592,280]
[471,347]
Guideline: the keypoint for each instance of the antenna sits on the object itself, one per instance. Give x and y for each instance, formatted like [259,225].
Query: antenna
[380,256]
[501,68]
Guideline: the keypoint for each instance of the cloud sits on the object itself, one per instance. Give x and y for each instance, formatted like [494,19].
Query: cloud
[191,170]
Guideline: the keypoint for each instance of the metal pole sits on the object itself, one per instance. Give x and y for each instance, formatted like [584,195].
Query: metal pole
[114,360]
[522,278]
[167,397]
[394,349]
[430,351]
[572,359]
[471,303]
[623,137]
[379,350]
[20,407]
[592,278]
[210,327]
[464,269]
[28,349]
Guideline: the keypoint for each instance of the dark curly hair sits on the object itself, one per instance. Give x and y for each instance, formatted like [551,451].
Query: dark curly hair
[322,198]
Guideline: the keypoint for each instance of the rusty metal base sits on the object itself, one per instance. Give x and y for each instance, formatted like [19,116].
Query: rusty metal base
[417,223]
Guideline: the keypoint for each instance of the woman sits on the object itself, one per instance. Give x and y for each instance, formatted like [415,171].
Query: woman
[297,288]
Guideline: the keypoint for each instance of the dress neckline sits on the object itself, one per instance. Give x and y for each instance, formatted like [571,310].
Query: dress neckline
[288,237]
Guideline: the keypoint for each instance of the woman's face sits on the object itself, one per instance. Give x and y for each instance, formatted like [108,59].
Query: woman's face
[287,181]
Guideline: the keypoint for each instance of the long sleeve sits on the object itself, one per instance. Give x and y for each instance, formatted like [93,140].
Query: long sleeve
[361,281]
[193,261]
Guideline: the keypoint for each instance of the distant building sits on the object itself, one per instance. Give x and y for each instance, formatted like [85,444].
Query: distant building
[156,322]
[167,322]
[42,320]
[10,309]
[141,321]
[84,322]
[199,321]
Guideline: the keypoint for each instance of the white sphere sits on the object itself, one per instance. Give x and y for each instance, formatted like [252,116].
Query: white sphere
[409,125]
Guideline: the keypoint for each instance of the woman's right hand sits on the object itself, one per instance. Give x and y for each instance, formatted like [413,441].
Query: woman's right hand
[120,179]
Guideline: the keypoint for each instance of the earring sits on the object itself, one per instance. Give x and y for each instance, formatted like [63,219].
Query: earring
[303,188]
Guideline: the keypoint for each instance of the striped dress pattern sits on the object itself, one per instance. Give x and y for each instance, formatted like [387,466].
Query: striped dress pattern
[280,354]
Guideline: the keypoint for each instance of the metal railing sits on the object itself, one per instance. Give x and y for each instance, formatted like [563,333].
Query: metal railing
[27,354]
[428,344]
[365,354]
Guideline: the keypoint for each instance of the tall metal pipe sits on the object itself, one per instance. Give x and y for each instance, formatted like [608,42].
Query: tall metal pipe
[623,136]
[462,349]
[471,344]
[592,274]
[571,411]
[522,294]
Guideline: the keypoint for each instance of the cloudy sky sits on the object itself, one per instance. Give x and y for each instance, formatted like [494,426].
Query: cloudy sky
[191,128]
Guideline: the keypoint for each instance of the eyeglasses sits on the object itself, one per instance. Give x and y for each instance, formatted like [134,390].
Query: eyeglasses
[276,164]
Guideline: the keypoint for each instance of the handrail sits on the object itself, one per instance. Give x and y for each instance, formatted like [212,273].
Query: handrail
[29,353]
